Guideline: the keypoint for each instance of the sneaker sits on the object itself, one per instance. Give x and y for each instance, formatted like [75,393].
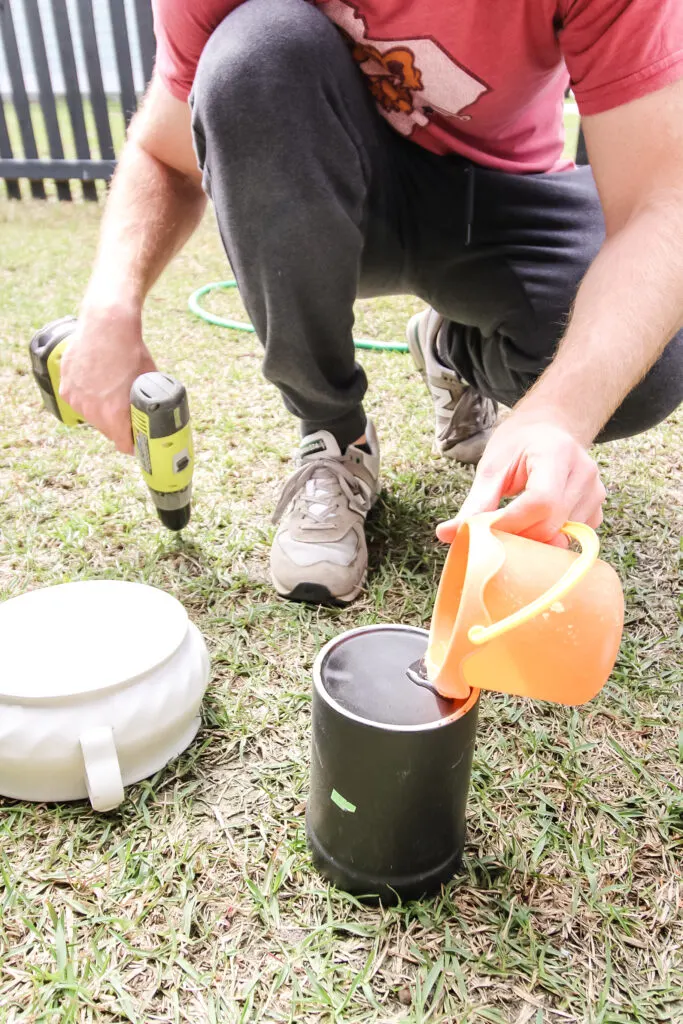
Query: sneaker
[464,418]
[319,552]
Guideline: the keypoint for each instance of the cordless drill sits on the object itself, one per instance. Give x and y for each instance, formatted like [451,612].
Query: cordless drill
[160,420]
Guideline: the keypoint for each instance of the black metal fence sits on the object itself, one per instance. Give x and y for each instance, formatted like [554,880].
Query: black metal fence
[73,24]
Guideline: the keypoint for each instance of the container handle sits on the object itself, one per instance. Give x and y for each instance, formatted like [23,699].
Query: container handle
[102,771]
[590,546]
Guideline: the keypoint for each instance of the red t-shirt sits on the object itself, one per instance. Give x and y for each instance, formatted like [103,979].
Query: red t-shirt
[484,78]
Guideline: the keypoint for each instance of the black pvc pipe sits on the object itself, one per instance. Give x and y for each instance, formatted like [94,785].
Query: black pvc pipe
[390,768]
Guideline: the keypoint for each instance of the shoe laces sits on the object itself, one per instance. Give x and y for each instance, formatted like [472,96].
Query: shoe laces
[316,488]
[471,414]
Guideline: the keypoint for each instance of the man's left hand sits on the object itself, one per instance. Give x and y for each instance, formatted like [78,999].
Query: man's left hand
[549,473]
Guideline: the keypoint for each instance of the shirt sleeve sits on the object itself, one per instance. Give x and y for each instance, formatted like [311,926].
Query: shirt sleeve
[182,29]
[619,50]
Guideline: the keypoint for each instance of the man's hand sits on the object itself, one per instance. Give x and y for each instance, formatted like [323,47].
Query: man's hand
[99,366]
[543,463]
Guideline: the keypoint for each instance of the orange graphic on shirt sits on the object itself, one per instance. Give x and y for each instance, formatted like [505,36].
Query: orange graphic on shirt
[413,79]
[393,76]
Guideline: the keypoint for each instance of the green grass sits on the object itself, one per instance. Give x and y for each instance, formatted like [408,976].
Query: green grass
[197,901]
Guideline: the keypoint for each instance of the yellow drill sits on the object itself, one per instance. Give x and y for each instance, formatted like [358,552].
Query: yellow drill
[160,420]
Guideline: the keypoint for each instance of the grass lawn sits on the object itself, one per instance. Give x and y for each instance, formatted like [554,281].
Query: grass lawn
[196,901]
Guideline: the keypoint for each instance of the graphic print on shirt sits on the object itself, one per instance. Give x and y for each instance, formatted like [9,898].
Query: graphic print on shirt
[410,79]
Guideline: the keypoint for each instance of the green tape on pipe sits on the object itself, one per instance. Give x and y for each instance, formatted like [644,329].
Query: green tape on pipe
[342,803]
[194,306]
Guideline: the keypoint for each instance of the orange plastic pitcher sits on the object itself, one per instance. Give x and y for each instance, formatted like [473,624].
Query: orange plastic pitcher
[525,618]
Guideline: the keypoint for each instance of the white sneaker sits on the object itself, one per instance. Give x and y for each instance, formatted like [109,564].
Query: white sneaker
[319,552]
[464,418]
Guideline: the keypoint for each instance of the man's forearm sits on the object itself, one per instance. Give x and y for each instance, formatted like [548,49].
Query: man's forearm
[629,305]
[151,212]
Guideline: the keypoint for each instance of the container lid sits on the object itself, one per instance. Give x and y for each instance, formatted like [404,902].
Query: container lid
[370,673]
[78,638]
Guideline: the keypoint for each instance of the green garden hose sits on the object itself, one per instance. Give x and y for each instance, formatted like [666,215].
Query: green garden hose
[239,325]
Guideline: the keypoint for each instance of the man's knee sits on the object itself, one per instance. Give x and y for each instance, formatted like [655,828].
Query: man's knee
[656,397]
[255,59]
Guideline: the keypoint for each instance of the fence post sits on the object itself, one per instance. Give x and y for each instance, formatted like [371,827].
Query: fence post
[45,91]
[98,97]
[19,95]
[74,99]
[581,151]
[143,12]
[129,100]
[11,184]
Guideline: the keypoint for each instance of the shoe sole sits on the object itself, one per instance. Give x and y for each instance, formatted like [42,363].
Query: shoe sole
[317,593]
[414,347]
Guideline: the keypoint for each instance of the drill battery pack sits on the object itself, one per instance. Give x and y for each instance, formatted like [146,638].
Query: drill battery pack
[47,347]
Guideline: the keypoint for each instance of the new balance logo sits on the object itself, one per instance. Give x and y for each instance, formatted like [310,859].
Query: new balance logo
[312,447]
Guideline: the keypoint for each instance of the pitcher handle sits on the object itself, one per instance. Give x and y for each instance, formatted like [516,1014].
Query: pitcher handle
[590,546]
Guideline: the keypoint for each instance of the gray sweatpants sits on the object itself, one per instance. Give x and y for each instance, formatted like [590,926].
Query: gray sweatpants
[319,201]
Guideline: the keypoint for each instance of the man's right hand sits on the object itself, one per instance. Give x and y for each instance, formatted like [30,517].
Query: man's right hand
[103,358]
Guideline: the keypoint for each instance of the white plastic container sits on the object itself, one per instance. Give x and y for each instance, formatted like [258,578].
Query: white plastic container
[100,686]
